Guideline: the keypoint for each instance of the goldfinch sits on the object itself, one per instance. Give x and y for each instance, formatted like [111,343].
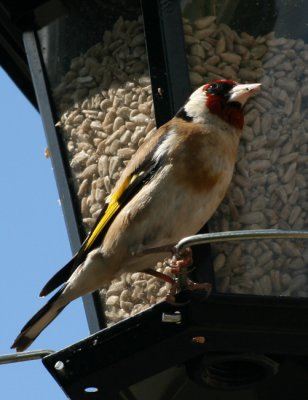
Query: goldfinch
[169,190]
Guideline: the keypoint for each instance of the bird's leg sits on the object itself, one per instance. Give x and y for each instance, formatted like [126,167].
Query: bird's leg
[180,268]
[160,275]
[177,263]
[170,298]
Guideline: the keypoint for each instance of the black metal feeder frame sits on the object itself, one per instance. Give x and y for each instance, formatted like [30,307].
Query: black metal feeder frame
[254,325]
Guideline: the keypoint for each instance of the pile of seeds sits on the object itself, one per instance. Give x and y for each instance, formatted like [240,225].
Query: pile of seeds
[106,111]
[134,292]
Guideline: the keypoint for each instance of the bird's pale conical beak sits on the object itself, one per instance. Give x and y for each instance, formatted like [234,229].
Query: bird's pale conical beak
[242,92]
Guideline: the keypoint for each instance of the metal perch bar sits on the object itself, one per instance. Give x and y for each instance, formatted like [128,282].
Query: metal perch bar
[238,235]
[27,356]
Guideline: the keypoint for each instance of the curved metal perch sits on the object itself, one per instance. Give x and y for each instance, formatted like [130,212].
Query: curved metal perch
[238,235]
[26,356]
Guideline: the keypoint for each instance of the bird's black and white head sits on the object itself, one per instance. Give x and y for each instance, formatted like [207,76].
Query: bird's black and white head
[223,98]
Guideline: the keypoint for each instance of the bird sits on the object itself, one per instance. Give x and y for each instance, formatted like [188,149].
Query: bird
[168,190]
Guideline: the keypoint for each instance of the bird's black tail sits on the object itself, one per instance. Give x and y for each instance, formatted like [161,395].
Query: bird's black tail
[59,278]
[39,322]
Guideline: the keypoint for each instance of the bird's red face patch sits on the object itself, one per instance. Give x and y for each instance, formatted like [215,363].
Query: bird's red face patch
[217,96]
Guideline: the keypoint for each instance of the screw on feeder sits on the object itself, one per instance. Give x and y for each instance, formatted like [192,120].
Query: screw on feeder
[175,318]
[91,389]
[198,339]
[59,366]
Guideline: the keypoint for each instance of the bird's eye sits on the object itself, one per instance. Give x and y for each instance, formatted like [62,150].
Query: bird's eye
[220,88]
[214,86]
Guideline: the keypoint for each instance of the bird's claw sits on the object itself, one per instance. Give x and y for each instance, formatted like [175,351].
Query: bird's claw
[178,264]
[191,290]
[182,289]
[200,287]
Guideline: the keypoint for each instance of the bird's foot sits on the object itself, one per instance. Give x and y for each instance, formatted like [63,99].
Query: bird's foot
[177,263]
[160,275]
[183,263]
[182,289]
[196,287]
[191,290]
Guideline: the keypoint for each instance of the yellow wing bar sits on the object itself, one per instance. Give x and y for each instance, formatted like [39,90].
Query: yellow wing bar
[112,208]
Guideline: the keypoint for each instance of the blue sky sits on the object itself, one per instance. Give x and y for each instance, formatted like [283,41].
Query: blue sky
[34,245]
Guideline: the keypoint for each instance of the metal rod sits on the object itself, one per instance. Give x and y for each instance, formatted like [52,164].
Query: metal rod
[238,235]
[166,54]
[26,356]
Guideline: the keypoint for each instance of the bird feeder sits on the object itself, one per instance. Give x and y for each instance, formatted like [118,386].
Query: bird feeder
[105,74]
